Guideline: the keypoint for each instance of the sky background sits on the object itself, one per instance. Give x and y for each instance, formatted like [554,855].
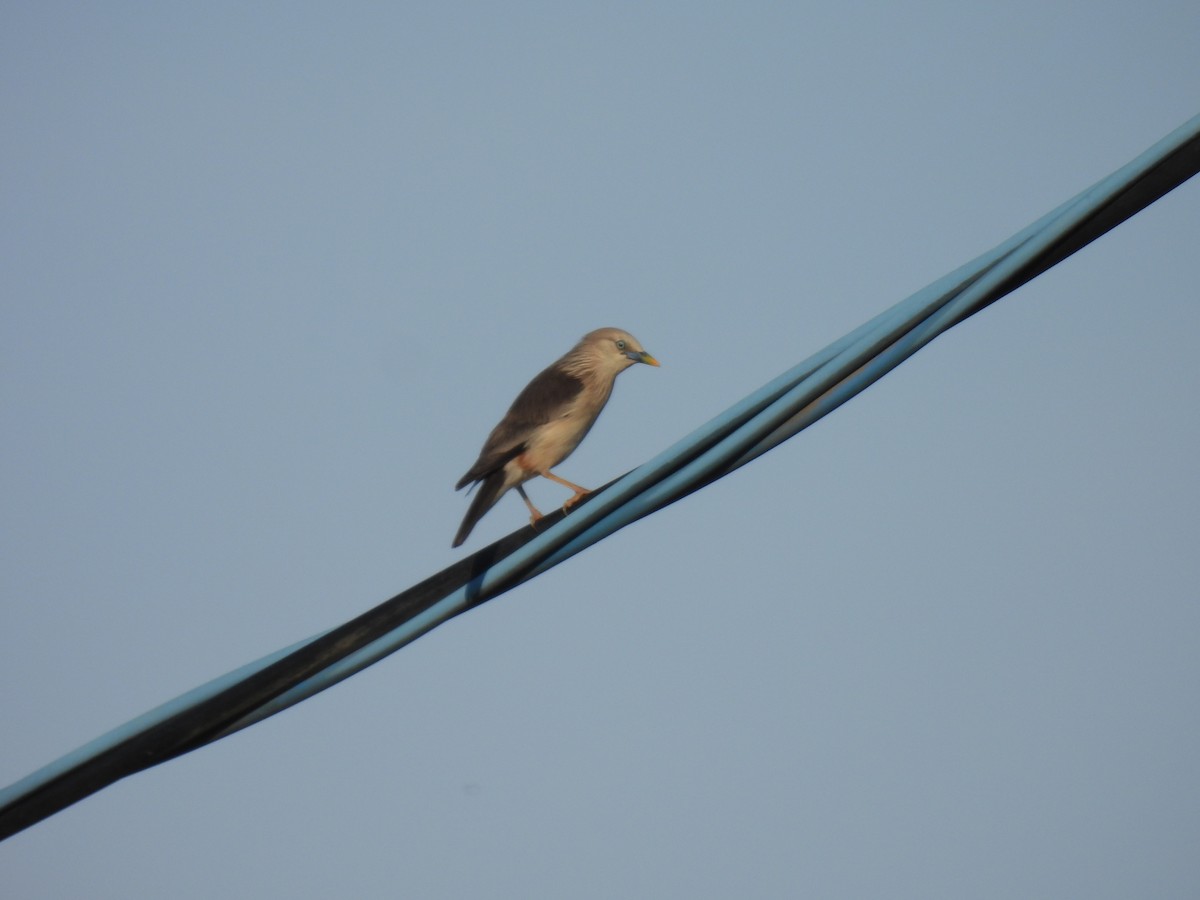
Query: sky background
[271,273]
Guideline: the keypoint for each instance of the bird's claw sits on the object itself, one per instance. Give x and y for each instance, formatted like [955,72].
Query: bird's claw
[570,503]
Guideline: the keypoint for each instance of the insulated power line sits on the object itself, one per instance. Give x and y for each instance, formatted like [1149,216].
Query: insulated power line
[748,429]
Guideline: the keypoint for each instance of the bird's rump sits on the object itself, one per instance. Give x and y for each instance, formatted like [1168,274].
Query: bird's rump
[489,464]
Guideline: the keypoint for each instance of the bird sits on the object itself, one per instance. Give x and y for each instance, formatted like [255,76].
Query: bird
[547,421]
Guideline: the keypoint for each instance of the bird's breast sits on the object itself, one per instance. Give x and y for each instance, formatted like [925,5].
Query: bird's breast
[553,442]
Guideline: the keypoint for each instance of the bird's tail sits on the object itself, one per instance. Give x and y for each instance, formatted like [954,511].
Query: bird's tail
[490,490]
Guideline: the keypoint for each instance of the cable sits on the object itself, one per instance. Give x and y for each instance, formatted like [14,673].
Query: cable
[756,424]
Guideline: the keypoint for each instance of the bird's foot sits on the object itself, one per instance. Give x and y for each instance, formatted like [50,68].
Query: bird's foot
[570,503]
[534,518]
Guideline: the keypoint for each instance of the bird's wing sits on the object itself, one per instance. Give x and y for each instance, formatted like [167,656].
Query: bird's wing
[549,396]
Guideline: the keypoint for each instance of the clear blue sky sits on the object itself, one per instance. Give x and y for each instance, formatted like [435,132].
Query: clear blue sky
[270,275]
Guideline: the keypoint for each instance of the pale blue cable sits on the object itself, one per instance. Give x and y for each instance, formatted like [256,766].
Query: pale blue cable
[749,428]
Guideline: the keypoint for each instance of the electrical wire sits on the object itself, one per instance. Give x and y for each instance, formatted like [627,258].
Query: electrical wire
[754,425]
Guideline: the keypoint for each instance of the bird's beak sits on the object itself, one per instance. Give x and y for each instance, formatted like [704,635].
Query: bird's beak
[643,357]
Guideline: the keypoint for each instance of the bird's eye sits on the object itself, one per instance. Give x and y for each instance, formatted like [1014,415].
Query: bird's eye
[620,345]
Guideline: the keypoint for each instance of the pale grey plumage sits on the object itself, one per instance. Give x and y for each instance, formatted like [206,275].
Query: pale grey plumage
[548,420]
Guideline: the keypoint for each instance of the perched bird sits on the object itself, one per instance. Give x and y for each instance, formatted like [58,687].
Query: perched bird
[548,420]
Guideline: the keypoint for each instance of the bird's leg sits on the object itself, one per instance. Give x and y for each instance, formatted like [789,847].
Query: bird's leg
[534,515]
[580,492]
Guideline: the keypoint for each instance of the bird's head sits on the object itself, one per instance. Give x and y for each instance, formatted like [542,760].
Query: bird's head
[612,350]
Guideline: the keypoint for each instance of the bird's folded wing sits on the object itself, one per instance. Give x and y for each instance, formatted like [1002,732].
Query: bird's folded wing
[550,396]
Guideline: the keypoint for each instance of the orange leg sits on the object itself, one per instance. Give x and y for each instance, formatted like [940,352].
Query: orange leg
[534,515]
[579,491]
